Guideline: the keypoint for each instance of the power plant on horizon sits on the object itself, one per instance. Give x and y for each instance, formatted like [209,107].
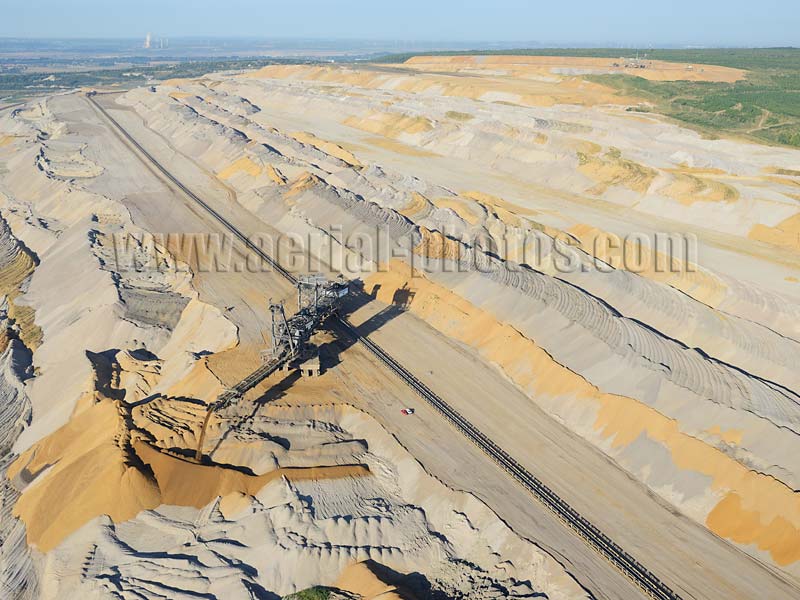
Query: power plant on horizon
[149,45]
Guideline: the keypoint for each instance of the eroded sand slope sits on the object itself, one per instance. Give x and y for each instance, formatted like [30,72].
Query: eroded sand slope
[685,376]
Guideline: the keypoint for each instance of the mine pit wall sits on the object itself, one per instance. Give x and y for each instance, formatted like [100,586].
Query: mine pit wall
[707,473]
[75,246]
[760,305]
[513,292]
[569,349]
[550,325]
[72,229]
[18,575]
[741,342]
[69,229]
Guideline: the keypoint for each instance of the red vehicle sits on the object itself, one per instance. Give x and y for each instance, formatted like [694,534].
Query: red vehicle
[407,411]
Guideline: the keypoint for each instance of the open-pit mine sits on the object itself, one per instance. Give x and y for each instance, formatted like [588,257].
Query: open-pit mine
[458,327]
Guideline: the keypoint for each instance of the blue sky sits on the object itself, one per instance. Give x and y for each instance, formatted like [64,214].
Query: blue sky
[681,22]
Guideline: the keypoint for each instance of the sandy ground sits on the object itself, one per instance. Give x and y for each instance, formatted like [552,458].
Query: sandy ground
[112,454]
[590,378]
[462,393]
[527,66]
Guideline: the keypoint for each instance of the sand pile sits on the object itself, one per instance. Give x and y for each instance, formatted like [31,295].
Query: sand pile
[611,169]
[435,245]
[94,474]
[294,527]
[363,580]
[786,233]
[418,206]
[689,187]
[327,147]
[394,125]
[244,164]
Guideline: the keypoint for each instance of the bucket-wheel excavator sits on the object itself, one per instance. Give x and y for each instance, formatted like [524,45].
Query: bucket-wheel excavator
[317,299]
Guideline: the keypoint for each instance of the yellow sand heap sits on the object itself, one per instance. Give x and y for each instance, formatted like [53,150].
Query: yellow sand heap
[303,182]
[467,209]
[327,147]
[390,124]
[91,473]
[245,164]
[363,580]
[786,233]
[611,169]
[418,205]
[504,211]
[186,483]
[17,267]
[689,187]
[436,245]
[619,418]
[276,175]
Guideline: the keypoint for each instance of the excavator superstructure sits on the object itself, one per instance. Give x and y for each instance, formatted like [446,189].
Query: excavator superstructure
[317,299]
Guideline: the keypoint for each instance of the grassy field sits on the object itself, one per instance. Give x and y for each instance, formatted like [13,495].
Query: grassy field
[765,106]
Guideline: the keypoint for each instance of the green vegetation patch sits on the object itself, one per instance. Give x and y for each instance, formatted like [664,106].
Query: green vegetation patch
[764,106]
[314,593]
[458,116]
